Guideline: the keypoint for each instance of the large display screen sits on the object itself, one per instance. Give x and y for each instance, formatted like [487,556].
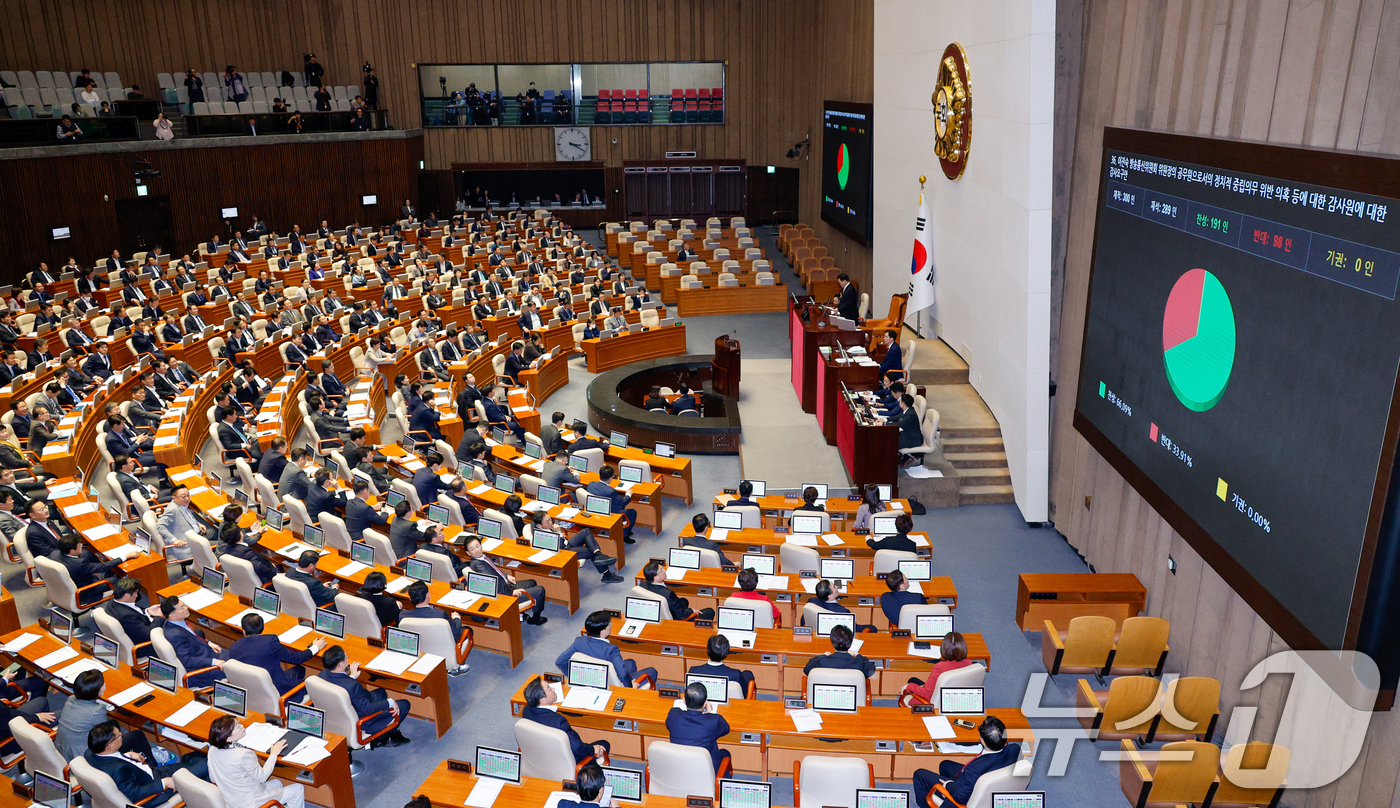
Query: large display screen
[1239,365]
[846,168]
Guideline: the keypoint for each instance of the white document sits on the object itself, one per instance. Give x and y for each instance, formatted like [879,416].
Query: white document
[80,509]
[919,539]
[772,582]
[587,698]
[919,472]
[719,534]
[939,729]
[237,619]
[552,801]
[199,490]
[676,573]
[309,751]
[832,540]
[217,511]
[490,545]
[932,652]
[484,793]
[739,639]
[186,714]
[568,513]
[293,634]
[801,539]
[810,584]
[391,662]
[806,720]
[896,506]
[856,646]
[201,598]
[121,551]
[632,629]
[101,532]
[175,734]
[351,568]
[425,664]
[65,490]
[398,584]
[916,587]
[459,599]
[131,694]
[60,656]
[18,643]
[949,748]
[261,736]
[71,672]
[535,506]
[541,557]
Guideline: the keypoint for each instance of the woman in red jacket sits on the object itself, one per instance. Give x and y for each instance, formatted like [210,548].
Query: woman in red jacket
[954,655]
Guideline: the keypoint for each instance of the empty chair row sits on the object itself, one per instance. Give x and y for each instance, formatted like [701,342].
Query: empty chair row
[57,78]
[260,107]
[57,97]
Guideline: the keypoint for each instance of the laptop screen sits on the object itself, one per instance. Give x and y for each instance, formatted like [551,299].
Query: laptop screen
[881,798]
[618,439]
[837,698]
[761,564]
[481,584]
[882,524]
[362,552]
[729,520]
[760,488]
[498,434]
[1019,799]
[684,558]
[160,674]
[625,784]
[736,619]
[240,496]
[932,626]
[806,523]
[418,569]
[598,506]
[837,569]
[438,513]
[547,494]
[331,623]
[821,489]
[393,498]
[826,621]
[643,609]
[505,483]
[630,474]
[266,601]
[533,450]
[497,764]
[50,791]
[314,536]
[542,539]
[745,794]
[919,570]
[716,687]
[587,674]
[230,699]
[275,519]
[403,642]
[665,449]
[578,462]
[488,528]
[306,719]
[214,580]
[960,701]
[104,649]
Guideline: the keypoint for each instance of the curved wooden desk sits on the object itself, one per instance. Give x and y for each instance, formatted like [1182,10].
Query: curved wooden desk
[606,354]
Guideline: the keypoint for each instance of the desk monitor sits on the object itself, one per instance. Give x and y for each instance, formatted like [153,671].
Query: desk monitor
[644,609]
[547,494]
[837,569]
[745,794]
[161,674]
[821,490]
[578,462]
[275,519]
[760,487]
[598,506]
[104,650]
[808,523]
[330,623]
[498,434]
[625,784]
[630,474]
[761,564]
[665,449]
[267,601]
[418,569]
[498,764]
[729,520]
[213,580]
[438,513]
[826,621]
[392,498]
[932,626]
[542,539]
[141,539]
[1018,799]
[51,792]
[716,687]
[362,553]
[882,524]
[479,583]
[314,536]
[916,570]
[230,699]
[885,493]
[960,701]
[684,558]
[488,528]
[240,496]
[400,641]
[735,619]
[533,450]
[309,720]
[61,625]
[834,698]
[618,439]
[881,798]
[504,483]
[587,674]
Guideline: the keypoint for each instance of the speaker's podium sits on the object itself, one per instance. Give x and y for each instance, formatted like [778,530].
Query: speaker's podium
[725,367]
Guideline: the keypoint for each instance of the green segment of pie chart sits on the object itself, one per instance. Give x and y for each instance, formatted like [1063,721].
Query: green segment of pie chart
[1198,369]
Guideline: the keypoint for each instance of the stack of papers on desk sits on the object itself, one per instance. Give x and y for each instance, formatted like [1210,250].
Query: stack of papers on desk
[490,545]
[478,490]
[391,662]
[519,409]
[80,509]
[568,513]
[425,664]
[121,551]
[308,752]
[186,714]
[484,793]
[397,584]
[675,573]
[101,532]
[719,534]
[459,599]
[65,490]
[949,748]
[217,511]
[587,698]
[177,735]
[806,720]
[919,539]
[71,672]
[939,729]
[199,599]
[801,539]
[293,634]
[131,694]
[832,539]
[260,736]
[932,652]
[535,506]
[537,465]
[542,556]
[351,568]
[771,582]
[18,643]
[199,490]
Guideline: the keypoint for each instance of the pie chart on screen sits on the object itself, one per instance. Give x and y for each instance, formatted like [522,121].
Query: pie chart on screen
[843,166]
[1198,339]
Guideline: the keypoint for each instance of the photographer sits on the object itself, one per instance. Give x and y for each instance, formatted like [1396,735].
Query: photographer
[194,87]
[371,88]
[313,69]
[238,91]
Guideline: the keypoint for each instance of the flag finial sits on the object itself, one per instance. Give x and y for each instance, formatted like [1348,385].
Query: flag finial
[922,180]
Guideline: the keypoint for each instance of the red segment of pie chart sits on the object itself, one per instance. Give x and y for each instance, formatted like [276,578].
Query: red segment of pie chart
[1183,313]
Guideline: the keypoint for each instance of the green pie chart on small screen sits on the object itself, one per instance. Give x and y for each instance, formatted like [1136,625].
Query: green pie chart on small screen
[1198,339]
[843,166]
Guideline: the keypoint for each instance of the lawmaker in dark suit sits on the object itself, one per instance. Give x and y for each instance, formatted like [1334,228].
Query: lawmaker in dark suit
[425,419]
[359,515]
[386,606]
[847,303]
[685,401]
[418,596]
[235,441]
[383,712]
[893,359]
[294,482]
[537,698]
[85,569]
[135,621]
[305,572]
[698,725]
[678,606]
[266,651]
[717,649]
[404,535]
[273,461]
[193,650]
[900,541]
[841,657]
[426,481]
[321,500]
[506,584]
[136,780]
[232,538]
[910,434]
[957,780]
[898,597]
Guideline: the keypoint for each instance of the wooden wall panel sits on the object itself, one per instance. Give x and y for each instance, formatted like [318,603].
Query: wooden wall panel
[1324,73]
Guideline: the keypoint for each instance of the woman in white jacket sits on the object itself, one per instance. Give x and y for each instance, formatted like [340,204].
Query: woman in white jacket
[239,776]
[164,129]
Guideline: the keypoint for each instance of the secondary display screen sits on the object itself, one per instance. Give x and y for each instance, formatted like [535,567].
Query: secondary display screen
[1239,363]
[846,183]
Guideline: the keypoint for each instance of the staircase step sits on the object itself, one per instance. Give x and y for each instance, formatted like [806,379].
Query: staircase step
[970,431]
[962,445]
[977,460]
[986,495]
[988,476]
[932,376]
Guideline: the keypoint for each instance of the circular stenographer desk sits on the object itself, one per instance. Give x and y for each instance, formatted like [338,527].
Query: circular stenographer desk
[611,396]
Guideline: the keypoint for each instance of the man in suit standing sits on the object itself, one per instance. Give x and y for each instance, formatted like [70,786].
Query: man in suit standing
[293,482]
[893,359]
[654,576]
[235,442]
[506,584]
[192,649]
[697,724]
[266,651]
[364,701]
[137,778]
[847,303]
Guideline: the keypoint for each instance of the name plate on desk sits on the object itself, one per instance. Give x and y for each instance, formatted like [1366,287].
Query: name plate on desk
[897,633]
[754,548]
[668,692]
[862,532]
[795,703]
[887,746]
[839,553]
[459,766]
[801,632]
[780,531]
[807,573]
[750,738]
[728,568]
[920,709]
[704,623]
[699,802]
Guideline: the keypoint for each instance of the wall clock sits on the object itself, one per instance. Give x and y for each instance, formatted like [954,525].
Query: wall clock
[572,144]
[952,112]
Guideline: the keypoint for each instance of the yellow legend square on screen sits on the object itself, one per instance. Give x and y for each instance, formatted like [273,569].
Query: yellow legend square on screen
[1221,488]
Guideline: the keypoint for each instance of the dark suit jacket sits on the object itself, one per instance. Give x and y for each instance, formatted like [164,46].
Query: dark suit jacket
[549,718]
[909,433]
[293,482]
[135,622]
[433,613]
[694,728]
[130,780]
[680,607]
[264,568]
[267,652]
[892,602]
[271,466]
[848,305]
[361,699]
[899,541]
[43,539]
[322,594]
[961,786]
[427,485]
[425,419]
[194,653]
[359,516]
[841,660]
[230,438]
[319,501]
[404,537]
[86,569]
[685,402]
[481,565]
[386,607]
